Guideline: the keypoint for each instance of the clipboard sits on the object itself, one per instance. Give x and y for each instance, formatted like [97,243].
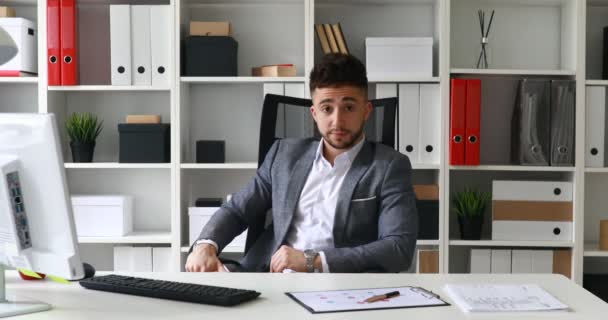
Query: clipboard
[352,300]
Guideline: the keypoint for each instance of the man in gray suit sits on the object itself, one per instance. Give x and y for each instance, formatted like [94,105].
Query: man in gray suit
[342,204]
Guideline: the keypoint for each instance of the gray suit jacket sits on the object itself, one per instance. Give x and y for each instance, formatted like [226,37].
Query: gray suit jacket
[375,224]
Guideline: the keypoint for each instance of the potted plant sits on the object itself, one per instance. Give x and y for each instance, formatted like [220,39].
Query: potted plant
[469,206]
[83,129]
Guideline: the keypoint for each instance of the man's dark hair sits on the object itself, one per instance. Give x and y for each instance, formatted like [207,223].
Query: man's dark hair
[336,70]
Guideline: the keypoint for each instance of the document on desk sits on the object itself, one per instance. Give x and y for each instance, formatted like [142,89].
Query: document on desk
[498,298]
[354,300]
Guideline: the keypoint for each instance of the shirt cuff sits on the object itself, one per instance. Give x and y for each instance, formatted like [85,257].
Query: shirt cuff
[324,262]
[207,241]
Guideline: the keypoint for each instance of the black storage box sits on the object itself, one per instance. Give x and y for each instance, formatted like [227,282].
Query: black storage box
[428,219]
[597,284]
[144,143]
[208,202]
[210,151]
[210,56]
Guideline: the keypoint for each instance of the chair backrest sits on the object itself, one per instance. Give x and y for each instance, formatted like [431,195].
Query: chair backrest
[289,117]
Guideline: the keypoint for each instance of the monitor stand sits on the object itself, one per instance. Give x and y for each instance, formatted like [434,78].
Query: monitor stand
[16,305]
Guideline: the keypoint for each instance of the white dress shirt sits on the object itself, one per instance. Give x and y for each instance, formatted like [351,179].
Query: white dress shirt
[313,221]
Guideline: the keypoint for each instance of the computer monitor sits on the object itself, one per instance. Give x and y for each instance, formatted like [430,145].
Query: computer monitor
[37,230]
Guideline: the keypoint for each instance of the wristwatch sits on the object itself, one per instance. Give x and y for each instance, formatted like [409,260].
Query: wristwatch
[310,256]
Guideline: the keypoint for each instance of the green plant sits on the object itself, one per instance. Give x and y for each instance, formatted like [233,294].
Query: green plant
[83,127]
[470,203]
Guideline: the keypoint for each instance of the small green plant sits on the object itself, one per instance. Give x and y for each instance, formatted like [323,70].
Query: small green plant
[83,127]
[470,203]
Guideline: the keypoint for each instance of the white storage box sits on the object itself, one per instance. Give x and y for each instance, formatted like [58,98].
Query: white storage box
[161,259]
[103,216]
[399,57]
[199,216]
[133,259]
[22,47]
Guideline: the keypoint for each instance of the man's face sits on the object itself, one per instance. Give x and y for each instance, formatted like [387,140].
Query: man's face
[340,114]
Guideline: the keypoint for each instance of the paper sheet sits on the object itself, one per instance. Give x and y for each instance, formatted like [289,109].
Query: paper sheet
[494,298]
[352,300]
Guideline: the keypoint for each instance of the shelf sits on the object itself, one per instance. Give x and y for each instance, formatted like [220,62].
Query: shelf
[427,242]
[596,170]
[592,249]
[403,79]
[512,168]
[107,88]
[424,166]
[135,237]
[220,166]
[596,82]
[238,2]
[499,243]
[116,165]
[228,249]
[19,3]
[515,72]
[18,80]
[241,79]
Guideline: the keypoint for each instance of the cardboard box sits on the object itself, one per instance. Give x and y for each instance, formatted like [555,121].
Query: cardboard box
[426,191]
[279,70]
[7,12]
[203,28]
[198,218]
[397,56]
[143,118]
[103,215]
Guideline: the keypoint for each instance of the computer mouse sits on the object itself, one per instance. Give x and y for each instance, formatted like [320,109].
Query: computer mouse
[89,270]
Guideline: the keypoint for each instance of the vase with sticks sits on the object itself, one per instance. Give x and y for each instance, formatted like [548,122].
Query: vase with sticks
[482,61]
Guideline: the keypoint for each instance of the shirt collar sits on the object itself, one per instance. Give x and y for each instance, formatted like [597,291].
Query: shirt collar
[348,156]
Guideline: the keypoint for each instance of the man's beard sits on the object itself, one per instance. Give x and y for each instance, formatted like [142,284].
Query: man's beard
[344,144]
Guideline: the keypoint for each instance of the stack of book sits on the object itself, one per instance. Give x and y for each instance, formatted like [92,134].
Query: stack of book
[331,38]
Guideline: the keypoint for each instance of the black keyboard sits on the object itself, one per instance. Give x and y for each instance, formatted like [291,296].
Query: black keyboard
[170,290]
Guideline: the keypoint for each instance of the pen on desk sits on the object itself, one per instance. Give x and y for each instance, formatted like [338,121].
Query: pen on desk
[381,296]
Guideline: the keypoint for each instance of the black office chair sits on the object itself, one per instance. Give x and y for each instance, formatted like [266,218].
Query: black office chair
[289,117]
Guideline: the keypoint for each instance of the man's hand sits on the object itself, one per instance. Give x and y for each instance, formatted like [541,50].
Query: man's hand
[204,259]
[288,258]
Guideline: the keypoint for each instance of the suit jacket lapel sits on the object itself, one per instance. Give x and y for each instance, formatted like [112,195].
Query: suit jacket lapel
[297,179]
[359,166]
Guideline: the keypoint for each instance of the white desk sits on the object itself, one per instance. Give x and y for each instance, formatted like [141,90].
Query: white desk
[74,302]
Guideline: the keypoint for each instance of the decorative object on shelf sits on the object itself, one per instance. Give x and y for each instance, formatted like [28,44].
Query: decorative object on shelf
[603,234]
[331,38]
[83,129]
[427,203]
[483,54]
[470,206]
[18,47]
[7,12]
[204,28]
[143,118]
[398,56]
[144,143]
[213,56]
[103,215]
[210,151]
[274,70]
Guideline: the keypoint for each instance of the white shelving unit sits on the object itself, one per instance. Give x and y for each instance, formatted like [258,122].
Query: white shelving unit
[515,244]
[560,39]
[148,237]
